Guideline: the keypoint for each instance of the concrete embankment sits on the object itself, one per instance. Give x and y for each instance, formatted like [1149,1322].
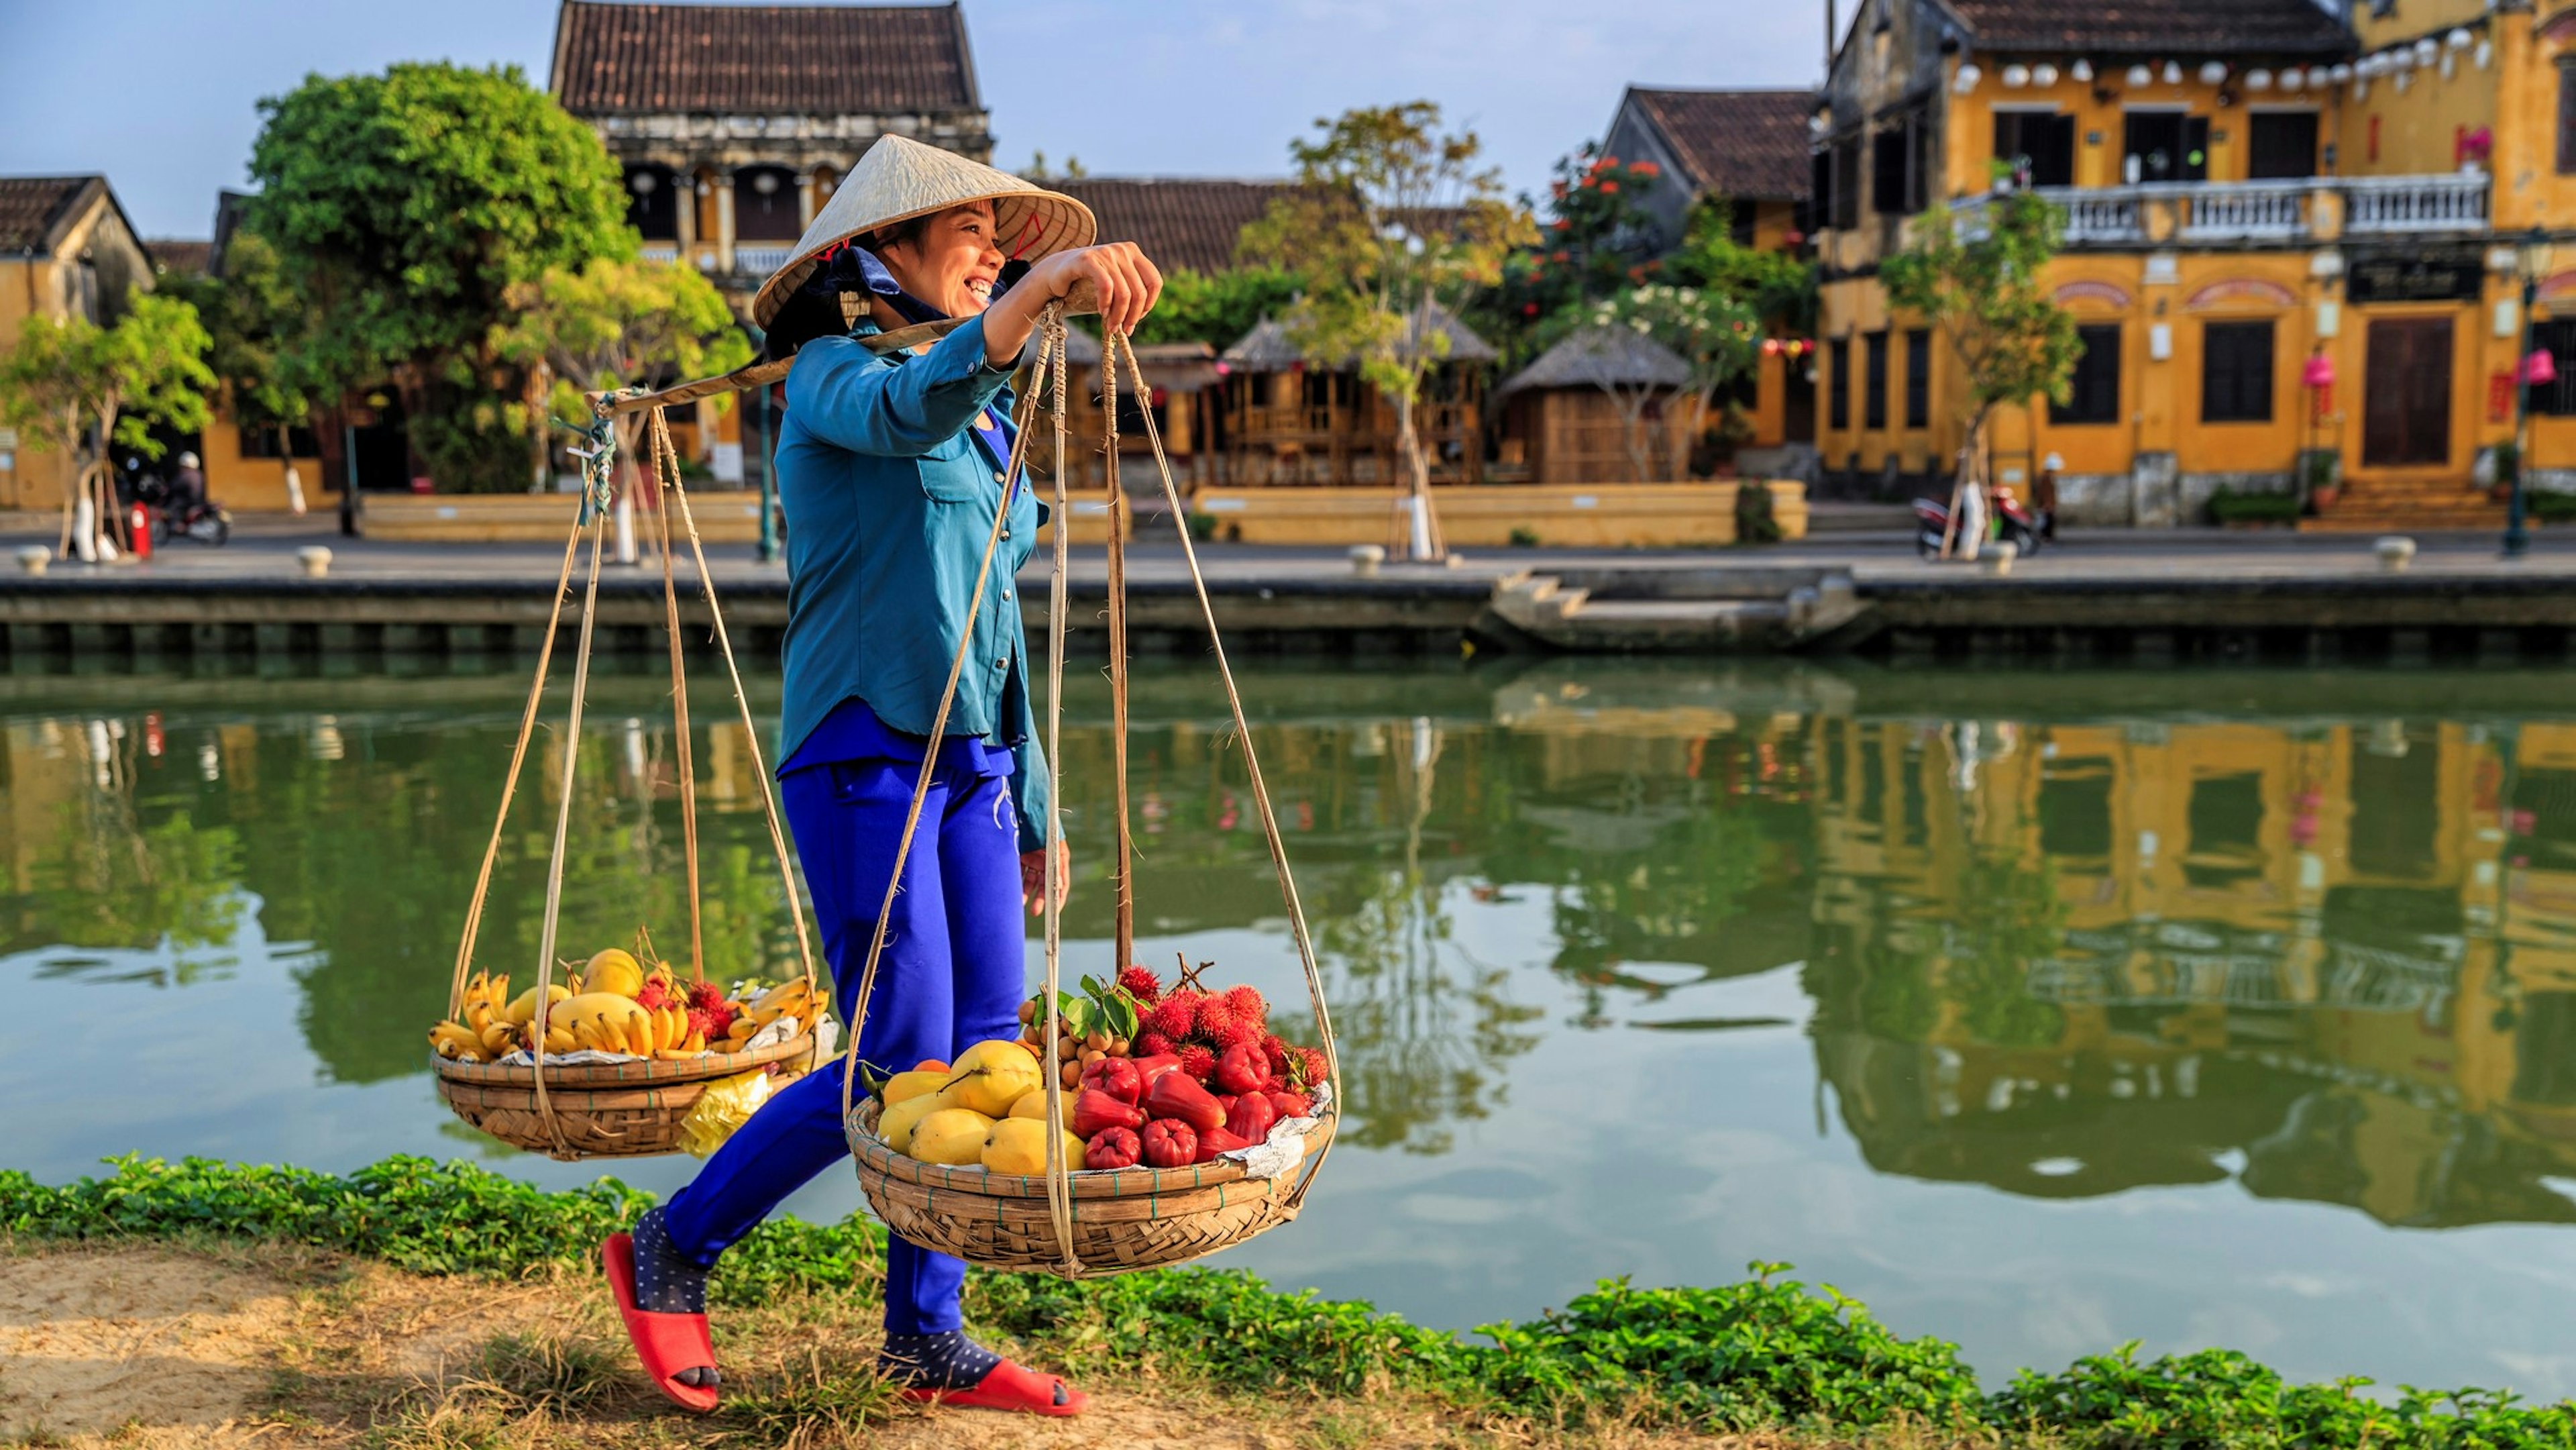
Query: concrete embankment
[2116,600]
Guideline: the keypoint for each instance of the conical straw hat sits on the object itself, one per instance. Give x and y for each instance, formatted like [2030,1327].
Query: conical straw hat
[899,179]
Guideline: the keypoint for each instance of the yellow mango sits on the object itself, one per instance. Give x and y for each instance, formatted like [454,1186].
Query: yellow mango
[614,971]
[896,1123]
[953,1136]
[1018,1145]
[989,1077]
[523,1008]
[1032,1104]
[904,1086]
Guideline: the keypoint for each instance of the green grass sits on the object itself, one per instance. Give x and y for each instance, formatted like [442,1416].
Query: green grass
[1767,1353]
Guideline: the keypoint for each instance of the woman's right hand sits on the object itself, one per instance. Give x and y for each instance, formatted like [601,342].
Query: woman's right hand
[1127,284]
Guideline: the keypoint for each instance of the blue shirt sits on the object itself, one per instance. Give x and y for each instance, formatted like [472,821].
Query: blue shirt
[890,493]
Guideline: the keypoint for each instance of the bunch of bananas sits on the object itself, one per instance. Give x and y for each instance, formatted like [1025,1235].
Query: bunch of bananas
[610,1022]
[486,1031]
[793,999]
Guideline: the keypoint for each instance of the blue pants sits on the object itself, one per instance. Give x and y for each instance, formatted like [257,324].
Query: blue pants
[951,977]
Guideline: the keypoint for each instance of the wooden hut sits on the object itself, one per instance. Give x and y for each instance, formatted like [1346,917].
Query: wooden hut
[1596,405]
[1179,377]
[1291,419]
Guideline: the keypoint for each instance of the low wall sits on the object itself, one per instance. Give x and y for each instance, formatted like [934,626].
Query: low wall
[1595,516]
[728,516]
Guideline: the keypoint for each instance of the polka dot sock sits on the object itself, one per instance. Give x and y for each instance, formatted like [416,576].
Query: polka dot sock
[666,1280]
[948,1361]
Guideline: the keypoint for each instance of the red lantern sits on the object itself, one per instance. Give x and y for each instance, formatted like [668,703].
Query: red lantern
[2319,373]
[2539,369]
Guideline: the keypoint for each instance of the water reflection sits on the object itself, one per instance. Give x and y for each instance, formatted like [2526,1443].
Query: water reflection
[2058,935]
[2329,957]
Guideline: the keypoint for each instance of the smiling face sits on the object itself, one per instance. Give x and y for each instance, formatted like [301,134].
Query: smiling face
[951,261]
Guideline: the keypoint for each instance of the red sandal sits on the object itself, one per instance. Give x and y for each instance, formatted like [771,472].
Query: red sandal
[667,1343]
[1009,1387]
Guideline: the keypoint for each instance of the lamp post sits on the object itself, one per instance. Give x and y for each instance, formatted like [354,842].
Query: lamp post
[768,487]
[2530,370]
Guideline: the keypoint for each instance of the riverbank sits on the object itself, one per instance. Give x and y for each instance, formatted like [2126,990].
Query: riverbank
[413,1306]
[2097,596]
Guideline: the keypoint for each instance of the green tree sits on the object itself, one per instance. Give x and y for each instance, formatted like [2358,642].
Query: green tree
[612,324]
[1779,286]
[1395,223]
[1216,308]
[1978,284]
[80,389]
[405,207]
[252,323]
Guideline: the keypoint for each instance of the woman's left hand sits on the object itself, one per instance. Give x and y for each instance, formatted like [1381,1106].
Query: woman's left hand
[1033,872]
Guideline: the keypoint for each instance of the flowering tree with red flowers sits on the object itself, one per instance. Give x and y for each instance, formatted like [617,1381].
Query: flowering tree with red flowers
[1598,239]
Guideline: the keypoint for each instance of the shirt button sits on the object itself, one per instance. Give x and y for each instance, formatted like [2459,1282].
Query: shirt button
[999,477]
[1006,594]
[1006,533]
[1001,664]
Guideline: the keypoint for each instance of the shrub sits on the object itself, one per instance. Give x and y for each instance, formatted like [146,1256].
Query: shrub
[2226,506]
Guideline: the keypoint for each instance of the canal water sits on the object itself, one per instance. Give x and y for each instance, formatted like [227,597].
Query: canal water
[2040,1010]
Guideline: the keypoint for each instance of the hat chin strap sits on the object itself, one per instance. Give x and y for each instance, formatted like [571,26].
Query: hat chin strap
[881,283]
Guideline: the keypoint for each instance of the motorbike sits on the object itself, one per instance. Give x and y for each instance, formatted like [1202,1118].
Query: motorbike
[200,520]
[2014,522]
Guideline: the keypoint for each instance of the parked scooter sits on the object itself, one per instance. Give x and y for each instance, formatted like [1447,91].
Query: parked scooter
[2013,522]
[201,520]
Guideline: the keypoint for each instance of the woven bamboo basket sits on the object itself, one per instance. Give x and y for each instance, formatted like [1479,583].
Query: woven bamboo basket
[1123,1220]
[601,1110]
[1065,1221]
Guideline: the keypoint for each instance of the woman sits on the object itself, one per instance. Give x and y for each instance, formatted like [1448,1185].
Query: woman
[890,467]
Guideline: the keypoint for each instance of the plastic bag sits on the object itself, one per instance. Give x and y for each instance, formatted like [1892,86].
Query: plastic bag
[727,1104]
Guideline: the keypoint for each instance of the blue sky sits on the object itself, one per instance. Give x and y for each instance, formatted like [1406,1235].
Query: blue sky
[159,94]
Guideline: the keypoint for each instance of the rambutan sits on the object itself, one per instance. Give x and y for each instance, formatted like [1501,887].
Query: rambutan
[1248,1004]
[654,996]
[1237,1032]
[1276,1052]
[1214,1021]
[706,996]
[1175,1015]
[1141,984]
[1151,1043]
[711,1022]
[1198,1062]
[1317,1069]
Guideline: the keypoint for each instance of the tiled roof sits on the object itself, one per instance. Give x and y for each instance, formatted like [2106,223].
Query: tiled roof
[1743,144]
[35,209]
[1179,222]
[1268,348]
[754,59]
[2176,27]
[184,257]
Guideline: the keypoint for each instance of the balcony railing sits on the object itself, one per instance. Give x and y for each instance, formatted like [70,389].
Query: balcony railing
[2257,211]
[660,251]
[761,259]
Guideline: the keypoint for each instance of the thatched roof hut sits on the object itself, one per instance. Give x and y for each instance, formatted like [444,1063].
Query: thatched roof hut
[1602,357]
[1589,407]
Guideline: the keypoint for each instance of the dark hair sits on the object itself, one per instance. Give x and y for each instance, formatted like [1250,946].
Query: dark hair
[905,233]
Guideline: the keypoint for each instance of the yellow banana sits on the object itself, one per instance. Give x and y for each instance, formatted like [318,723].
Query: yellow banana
[560,1039]
[451,1039]
[497,1040]
[497,992]
[478,1013]
[584,1034]
[695,1044]
[640,1032]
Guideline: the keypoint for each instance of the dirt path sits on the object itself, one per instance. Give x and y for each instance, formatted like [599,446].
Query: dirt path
[155,1347]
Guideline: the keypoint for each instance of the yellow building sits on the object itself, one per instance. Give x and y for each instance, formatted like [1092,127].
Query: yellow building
[66,250]
[2248,185]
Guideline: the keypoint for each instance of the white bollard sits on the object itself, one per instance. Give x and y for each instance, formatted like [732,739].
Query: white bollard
[33,559]
[1999,556]
[2395,552]
[85,528]
[1365,558]
[316,561]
